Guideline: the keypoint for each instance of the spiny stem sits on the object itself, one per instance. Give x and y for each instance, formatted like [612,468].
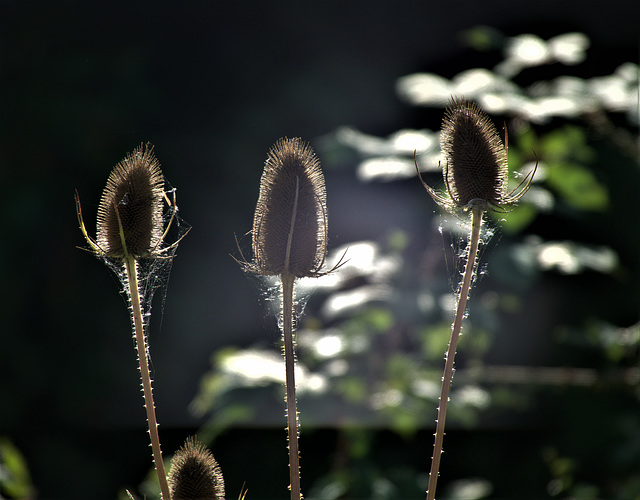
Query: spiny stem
[289,360]
[132,274]
[474,238]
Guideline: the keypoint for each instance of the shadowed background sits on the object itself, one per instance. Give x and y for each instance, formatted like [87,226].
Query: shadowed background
[212,87]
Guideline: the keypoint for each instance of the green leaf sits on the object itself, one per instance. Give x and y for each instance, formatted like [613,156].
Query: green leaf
[577,186]
[566,143]
[518,218]
[15,480]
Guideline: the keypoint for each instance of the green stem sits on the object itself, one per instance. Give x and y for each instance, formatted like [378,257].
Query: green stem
[289,361]
[132,274]
[474,238]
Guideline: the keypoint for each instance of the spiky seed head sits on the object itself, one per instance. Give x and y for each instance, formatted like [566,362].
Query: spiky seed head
[290,221]
[195,474]
[475,159]
[130,209]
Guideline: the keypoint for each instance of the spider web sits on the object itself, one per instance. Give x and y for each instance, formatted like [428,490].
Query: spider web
[152,272]
[455,230]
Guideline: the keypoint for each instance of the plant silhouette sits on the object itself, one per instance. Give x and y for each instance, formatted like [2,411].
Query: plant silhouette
[475,174]
[131,231]
[290,241]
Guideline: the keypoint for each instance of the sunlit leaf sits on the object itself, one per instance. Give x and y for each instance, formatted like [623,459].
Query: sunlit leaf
[15,479]
[577,186]
[568,142]
[518,218]
[569,257]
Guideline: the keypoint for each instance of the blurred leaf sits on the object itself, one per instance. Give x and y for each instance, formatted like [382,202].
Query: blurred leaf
[435,340]
[522,145]
[630,488]
[379,319]
[469,489]
[15,479]
[518,218]
[585,492]
[483,38]
[578,186]
[352,388]
[398,241]
[225,418]
[568,142]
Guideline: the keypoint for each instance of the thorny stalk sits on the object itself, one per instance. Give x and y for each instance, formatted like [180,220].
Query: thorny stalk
[447,376]
[131,265]
[289,360]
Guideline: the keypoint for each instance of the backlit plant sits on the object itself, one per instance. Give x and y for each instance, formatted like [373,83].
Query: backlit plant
[131,233]
[475,174]
[290,241]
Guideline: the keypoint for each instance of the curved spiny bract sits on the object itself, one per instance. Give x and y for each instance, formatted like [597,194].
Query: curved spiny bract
[290,221]
[129,218]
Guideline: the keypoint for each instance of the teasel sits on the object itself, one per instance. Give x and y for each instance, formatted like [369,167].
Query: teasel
[290,221]
[289,240]
[130,210]
[475,166]
[130,228]
[476,177]
[195,473]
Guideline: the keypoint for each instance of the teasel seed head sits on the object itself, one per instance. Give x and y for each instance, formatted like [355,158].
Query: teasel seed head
[475,157]
[130,210]
[290,220]
[475,160]
[195,474]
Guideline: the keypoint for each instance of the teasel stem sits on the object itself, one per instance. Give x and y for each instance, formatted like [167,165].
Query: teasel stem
[477,212]
[131,265]
[290,382]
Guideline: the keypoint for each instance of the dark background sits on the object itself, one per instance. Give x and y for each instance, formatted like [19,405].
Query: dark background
[212,86]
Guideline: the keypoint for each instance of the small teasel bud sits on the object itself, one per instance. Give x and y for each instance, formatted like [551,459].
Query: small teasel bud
[130,210]
[475,156]
[290,221]
[195,474]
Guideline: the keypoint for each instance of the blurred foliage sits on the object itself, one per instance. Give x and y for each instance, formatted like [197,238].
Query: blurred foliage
[559,293]
[15,480]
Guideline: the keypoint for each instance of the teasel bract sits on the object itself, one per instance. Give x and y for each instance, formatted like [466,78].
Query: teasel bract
[130,229]
[475,173]
[289,239]
[195,473]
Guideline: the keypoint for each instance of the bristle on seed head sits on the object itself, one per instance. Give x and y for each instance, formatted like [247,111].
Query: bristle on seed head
[290,221]
[195,474]
[130,210]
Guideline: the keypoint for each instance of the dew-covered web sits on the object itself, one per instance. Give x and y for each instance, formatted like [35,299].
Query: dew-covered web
[270,289]
[152,271]
[271,294]
[455,230]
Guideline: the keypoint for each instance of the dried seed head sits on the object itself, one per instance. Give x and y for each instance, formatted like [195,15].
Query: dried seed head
[290,221]
[130,210]
[475,162]
[195,474]
[475,157]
